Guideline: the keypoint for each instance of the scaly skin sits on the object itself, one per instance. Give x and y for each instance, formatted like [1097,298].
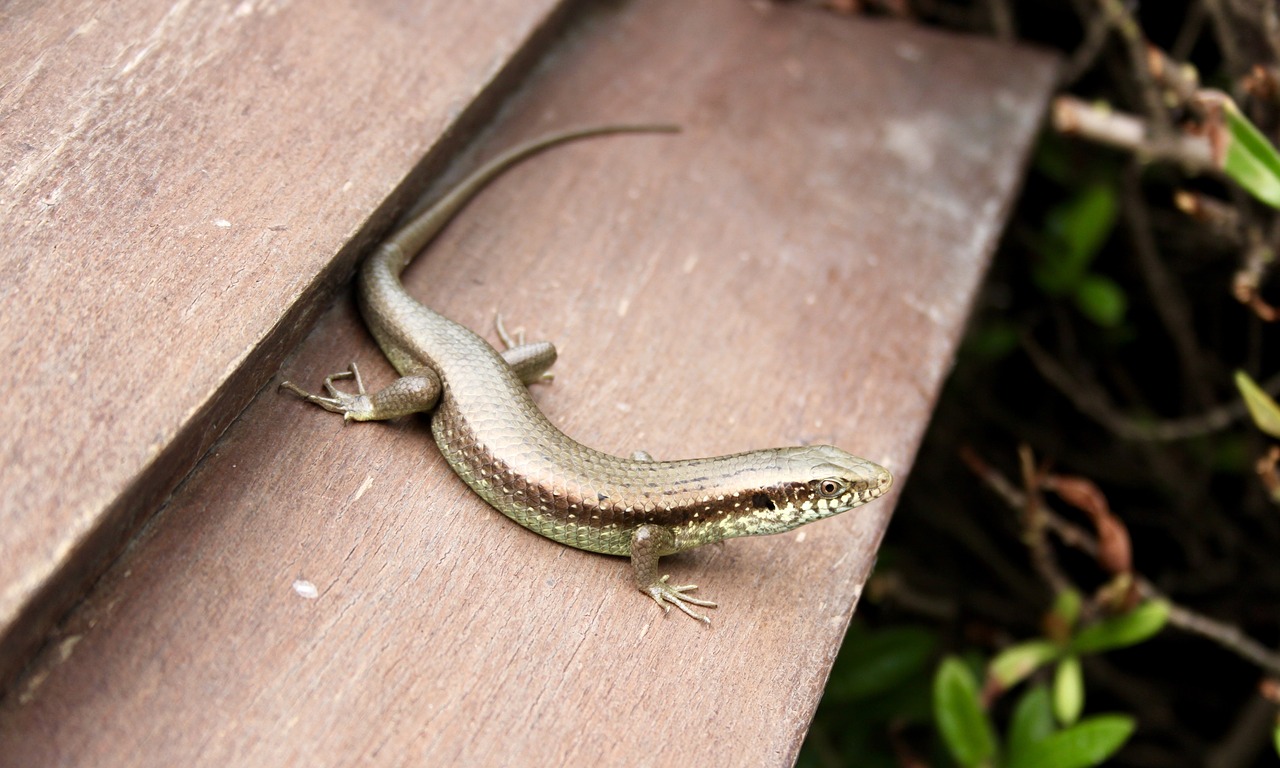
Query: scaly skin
[499,442]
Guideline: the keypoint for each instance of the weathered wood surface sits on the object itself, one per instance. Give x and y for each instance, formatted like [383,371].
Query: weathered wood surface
[796,266]
[176,180]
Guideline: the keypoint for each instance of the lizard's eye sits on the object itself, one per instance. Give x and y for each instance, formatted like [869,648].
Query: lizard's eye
[830,488]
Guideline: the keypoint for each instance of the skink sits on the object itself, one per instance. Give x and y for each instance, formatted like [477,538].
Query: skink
[497,440]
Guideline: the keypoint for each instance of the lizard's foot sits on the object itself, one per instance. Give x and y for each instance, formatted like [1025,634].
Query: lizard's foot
[357,406]
[507,340]
[667,595]
[529,360]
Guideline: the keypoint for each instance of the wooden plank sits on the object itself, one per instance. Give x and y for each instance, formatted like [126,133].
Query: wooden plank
[177,178]
[795,267]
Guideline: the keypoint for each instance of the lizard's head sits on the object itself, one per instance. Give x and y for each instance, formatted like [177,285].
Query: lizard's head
[828,481]
[821,481]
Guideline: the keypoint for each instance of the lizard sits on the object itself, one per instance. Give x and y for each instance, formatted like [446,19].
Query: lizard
[494,436]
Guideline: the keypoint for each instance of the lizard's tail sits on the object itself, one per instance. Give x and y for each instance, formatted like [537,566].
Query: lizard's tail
[400,248]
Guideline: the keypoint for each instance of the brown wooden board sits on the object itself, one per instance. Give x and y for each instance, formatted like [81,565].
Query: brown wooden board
[175,181]
[795,267]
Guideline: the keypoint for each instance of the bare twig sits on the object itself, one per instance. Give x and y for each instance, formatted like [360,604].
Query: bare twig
[1247,737]
[891,586]
[1144,697]
[1258,258]
[1097,30]
[1091,401]
[1227,635]
[1222,218]
[1271,27]
[1166,294]
[1226,39]
[1192,26]
[1262,83]
[1033,524]
[1266,468]
[982,546]
[1179,82]
[1002,22]
[1075,117]
[993,479]
[1124,23]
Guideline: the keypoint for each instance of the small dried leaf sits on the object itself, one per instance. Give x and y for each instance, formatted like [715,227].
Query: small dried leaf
[1115,552]
[1270,689]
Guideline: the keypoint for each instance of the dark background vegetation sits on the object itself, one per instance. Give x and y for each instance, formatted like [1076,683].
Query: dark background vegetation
[1108,324]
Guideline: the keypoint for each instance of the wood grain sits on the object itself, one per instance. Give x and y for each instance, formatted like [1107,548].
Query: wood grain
[177,180]
[795,267]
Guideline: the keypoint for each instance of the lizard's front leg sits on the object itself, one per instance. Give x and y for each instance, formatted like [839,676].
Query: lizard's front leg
[416,393]
[646,544]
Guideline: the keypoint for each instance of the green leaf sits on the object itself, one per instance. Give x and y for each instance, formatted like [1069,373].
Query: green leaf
[1056,159]
[1250,159]
[1232,453]
[1119,631]
[1089,742]
[1060,621]
[1012,665]
[1068,690]
[1066,604]
[1076,229]
[1263,409]
[1102,300]
[964,726]
[992,340]
[1275,738]
[874,662]
[1031,722]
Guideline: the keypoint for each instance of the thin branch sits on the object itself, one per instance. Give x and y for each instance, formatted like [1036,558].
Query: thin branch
[1226,40]
[1227,635]
[1091,401]
[891,586]
[1002,22]
[982,546]
[1075,117]
[1028,501]
[1179,82]
[1192,26]
[1034,514]
[1243,743]
[1097,30]
[1124,23]
[1258,258]
[1271,28]
[1166,294]
[1221,218]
